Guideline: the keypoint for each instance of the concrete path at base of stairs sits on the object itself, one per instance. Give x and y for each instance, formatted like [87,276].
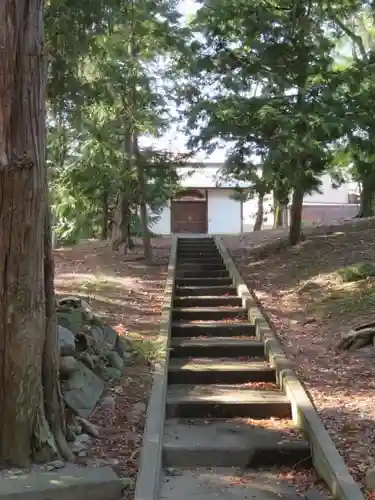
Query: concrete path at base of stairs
[224,484]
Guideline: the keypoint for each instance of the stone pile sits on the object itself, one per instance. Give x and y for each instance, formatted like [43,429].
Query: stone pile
[91,354]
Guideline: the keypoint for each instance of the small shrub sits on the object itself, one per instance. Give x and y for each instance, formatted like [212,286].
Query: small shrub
[357,272]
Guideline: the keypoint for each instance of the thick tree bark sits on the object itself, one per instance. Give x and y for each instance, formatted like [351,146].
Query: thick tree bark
[366,201]
[296,216]
[27,329]
[53,401]
[260,213]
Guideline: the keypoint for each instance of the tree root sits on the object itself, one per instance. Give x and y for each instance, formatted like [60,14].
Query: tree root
[357,338]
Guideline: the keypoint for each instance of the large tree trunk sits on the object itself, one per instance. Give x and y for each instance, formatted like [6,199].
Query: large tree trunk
[296,216]
[366,201]
[51,358]
[28,330]
[260,213]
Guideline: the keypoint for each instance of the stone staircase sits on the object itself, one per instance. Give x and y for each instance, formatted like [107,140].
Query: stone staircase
[219,385]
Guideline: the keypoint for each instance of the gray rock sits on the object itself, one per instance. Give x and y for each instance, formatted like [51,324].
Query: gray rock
[83,438]
[110,336]
[97,336]
[82,391]
[70,302]
[128,358]
[68,365]
[370,478]
[70,435]
[98,462]
[55,465]
[66,341]
[77,447]
[127,483]
[73,319]
[89,428]
[115,360]
[123,346]
[109,403]
[87,360]
[108,373]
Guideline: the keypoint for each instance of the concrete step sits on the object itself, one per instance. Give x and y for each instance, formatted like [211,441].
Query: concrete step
[209,259]
[215,347]
[230,443]
[225,401]
[195,251]
[191,266]
[207,301]
[221,483]
[216,291]
[212,329]
[197,248]
[198,239]
[196,242]
[219,371]
[203,281]
[201,273]
[209,313]
[204,255]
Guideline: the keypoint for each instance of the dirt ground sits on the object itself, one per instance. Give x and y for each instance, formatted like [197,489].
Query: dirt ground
[311,308]
[128,296]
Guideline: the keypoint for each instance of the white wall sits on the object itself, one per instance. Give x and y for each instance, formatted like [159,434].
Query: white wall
[329,194]
[224,213]
[163,225]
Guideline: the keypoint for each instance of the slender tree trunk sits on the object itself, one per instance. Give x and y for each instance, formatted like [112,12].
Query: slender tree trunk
[27,328]
[296,216]
[147,249]
[120,221]
[105,216]
[129,239]
[280,204]
[277,215]
[260,213]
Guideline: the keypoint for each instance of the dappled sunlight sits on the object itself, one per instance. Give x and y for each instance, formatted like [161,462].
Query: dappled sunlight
[124,293]
[311,306]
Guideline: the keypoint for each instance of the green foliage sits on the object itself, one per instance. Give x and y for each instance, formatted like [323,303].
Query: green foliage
[263,77]
[104,84]
[357,272]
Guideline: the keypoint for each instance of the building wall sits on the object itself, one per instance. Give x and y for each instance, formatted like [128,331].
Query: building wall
[163,224]
[224,213]
[330,194]
[323,214]
[322,207]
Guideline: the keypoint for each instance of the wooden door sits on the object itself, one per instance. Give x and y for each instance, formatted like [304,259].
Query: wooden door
[189,216]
